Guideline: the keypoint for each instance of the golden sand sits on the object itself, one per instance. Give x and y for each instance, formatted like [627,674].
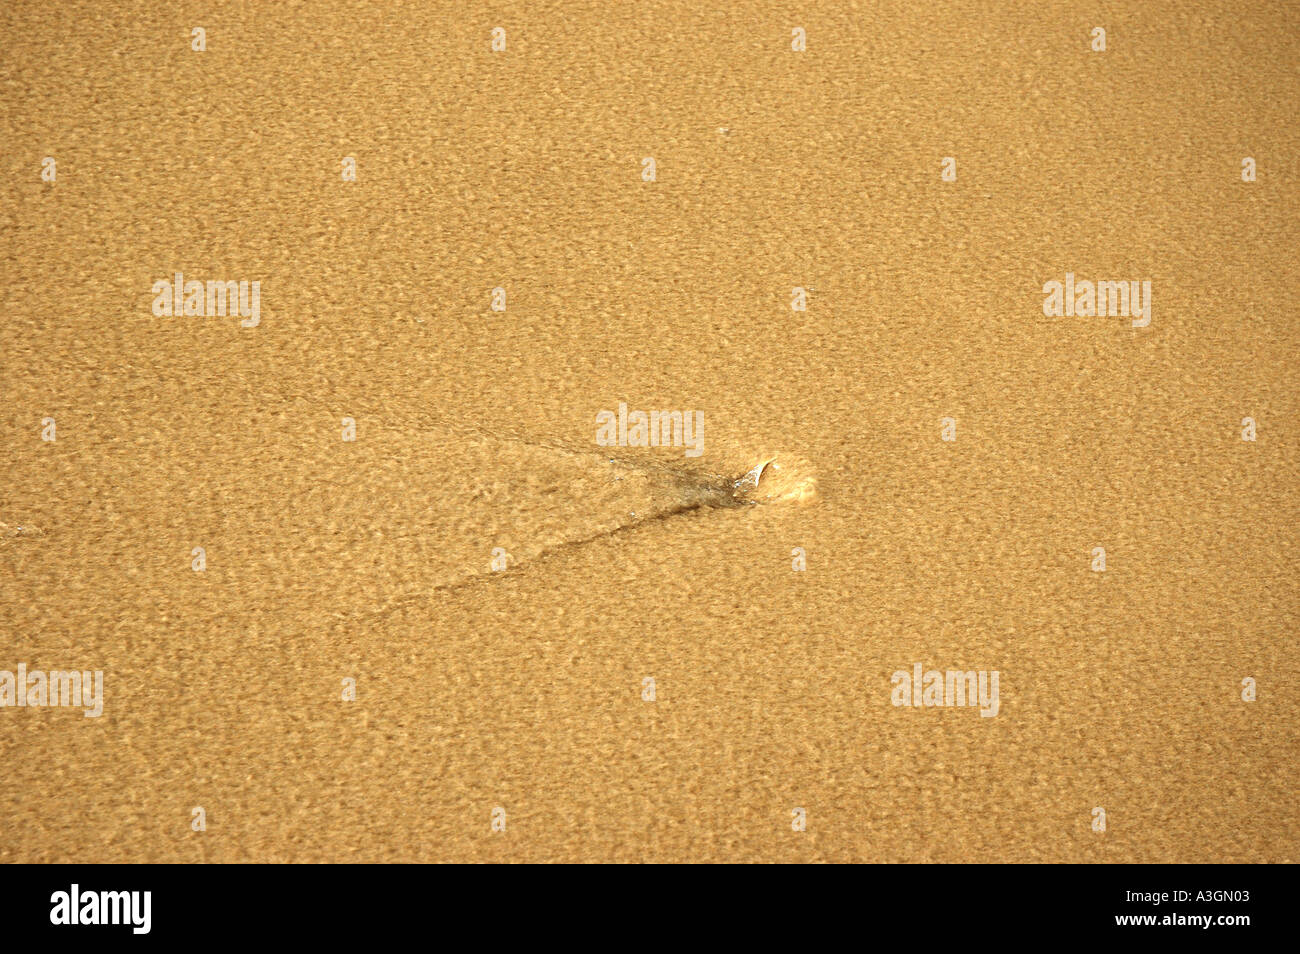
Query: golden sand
[524,689]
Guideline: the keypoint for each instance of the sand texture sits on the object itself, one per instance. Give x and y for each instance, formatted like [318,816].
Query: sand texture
[524,689]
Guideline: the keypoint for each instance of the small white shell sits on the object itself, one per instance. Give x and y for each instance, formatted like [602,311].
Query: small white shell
[750,480]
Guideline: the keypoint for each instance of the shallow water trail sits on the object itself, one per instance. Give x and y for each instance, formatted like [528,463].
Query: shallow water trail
[472,498]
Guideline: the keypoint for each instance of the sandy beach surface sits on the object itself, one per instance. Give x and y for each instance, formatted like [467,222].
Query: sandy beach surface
[517,699]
